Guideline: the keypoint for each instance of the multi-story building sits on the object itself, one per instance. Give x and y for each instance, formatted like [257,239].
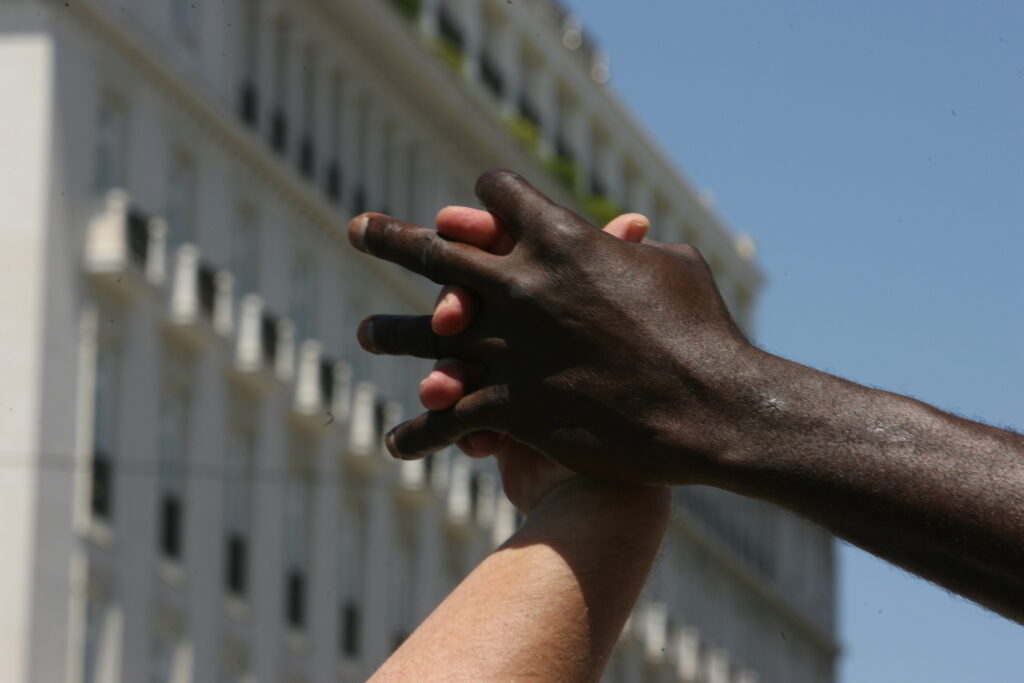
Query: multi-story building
[192,469]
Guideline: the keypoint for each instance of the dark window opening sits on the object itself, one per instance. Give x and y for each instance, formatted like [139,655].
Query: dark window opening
[207,290]
[235,567]
[138,236]
[350,629]
[268,338]
[562,148]
[295,596]
[359,201]
[491,75]
[380,415]
[101,498]
[279,131]
[474,494]
[332,181]
[307,157]
[528,110]
[449,30]
[597,187]
[327,380]
[170,526]
[249,103]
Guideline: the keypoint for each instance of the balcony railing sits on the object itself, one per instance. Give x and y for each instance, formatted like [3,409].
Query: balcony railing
[369,414]
[124,247]
[201,299]
[263,346]
[321,388]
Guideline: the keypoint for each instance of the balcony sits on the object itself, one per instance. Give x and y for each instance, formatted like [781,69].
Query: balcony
[263,347]
[124,248]
[653,631]
[200,300]
[715,665]
[686,653]
[365,451]
[419,480]
[321,389]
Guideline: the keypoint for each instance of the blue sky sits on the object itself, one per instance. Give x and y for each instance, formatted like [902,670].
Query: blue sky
[875,151]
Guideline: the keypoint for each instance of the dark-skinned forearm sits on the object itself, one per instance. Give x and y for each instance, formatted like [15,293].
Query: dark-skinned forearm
[936,494]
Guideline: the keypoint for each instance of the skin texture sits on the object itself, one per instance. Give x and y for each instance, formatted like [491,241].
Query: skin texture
[590,347]
[550,603]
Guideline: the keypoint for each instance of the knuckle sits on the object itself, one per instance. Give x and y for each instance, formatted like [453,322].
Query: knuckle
[495,179]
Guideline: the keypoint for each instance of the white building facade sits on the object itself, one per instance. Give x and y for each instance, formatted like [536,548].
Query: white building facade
[192,463]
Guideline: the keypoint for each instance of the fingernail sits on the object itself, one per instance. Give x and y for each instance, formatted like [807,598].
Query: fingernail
[449,299]
[389,443]
[365,335]
[357,231]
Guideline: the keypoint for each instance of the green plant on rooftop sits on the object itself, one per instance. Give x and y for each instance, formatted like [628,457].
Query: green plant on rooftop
[602,208]
[449,53]
[525,132]
[410,9]
[564,170]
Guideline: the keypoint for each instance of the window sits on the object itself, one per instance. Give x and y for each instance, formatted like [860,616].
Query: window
[332,181]
[101,496]
[250,63]
[352,567]
[359,154]
[304,298]
[245,248]
[297,507]
[111,143]
[181,202]
[279,121]
[307,151]
[172,454]
[387,164]
[239,460]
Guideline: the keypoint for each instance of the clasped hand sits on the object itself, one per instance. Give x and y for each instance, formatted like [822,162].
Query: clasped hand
[583,346]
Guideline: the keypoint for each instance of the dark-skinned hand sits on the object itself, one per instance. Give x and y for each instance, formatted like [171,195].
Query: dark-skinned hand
[527,476]
[590,347]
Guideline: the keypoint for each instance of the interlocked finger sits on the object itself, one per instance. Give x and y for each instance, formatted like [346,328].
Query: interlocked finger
[437,429]
[405,335]
[423,251]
